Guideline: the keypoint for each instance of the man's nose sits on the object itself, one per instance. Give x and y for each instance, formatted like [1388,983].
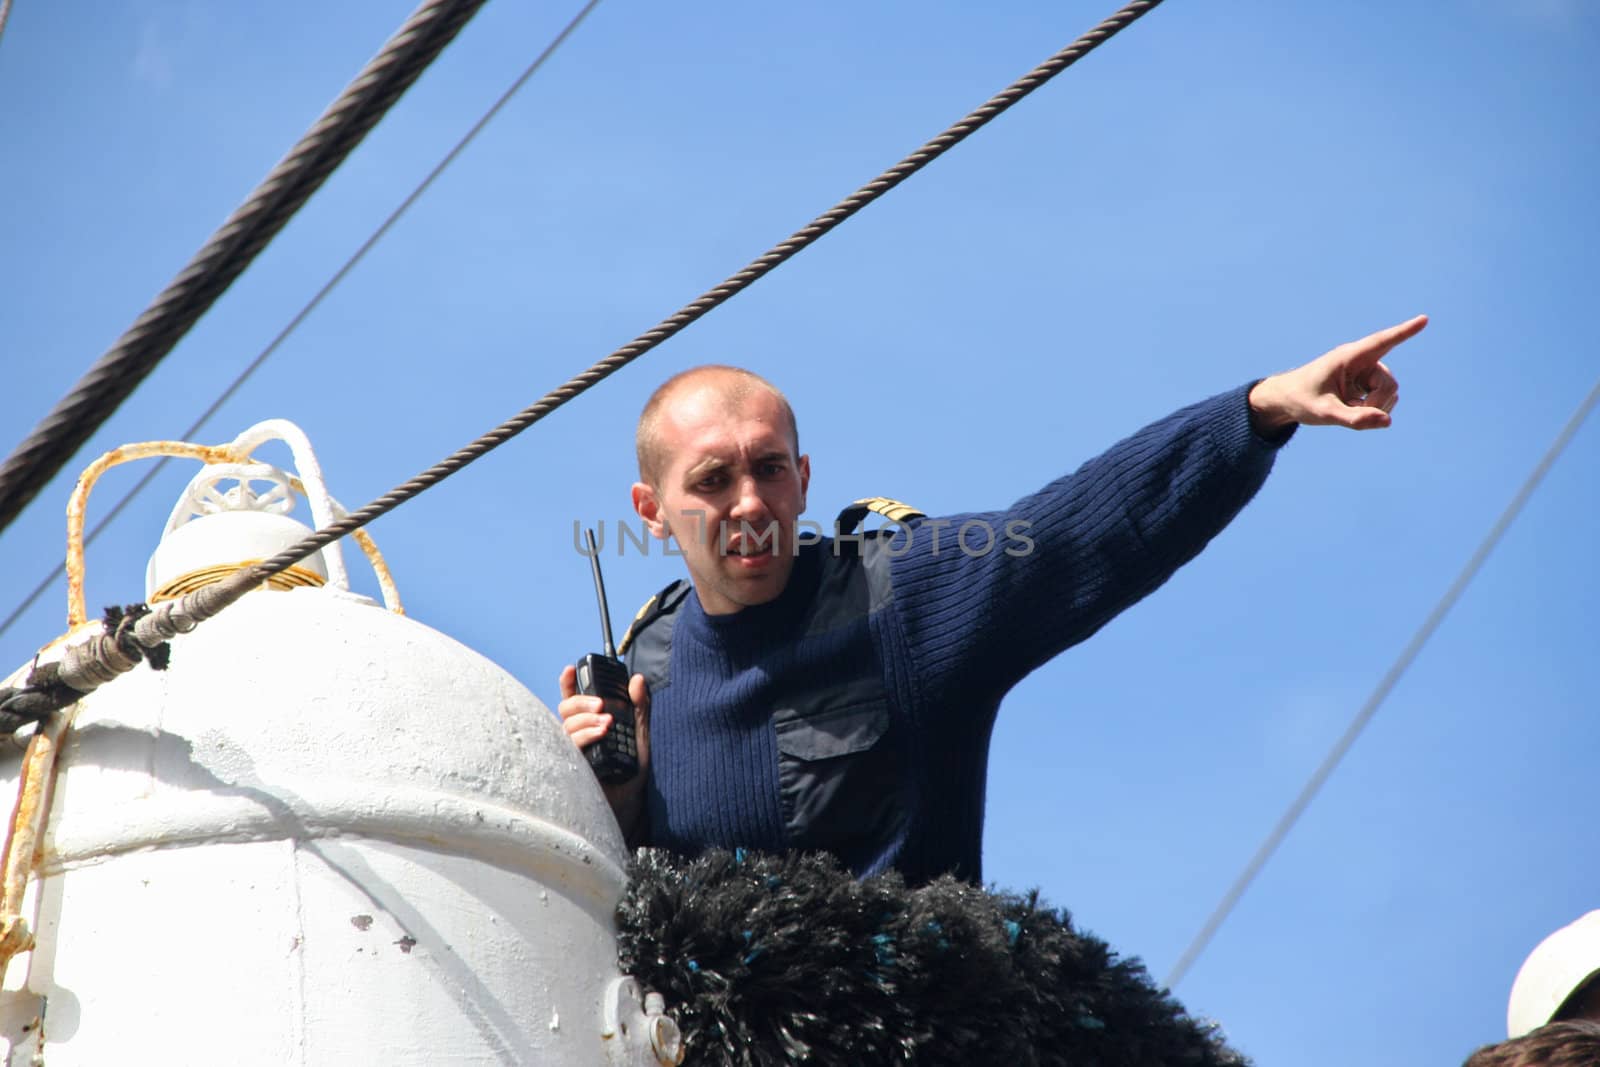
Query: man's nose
[750,504]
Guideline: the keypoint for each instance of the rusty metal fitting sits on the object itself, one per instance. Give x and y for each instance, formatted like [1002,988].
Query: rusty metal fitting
[666,1040]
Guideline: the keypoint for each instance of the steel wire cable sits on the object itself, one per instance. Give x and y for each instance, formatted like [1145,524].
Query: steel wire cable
[229,251]
[84,667]
[1386,684]
[5,13]
[152,471]
[756,269]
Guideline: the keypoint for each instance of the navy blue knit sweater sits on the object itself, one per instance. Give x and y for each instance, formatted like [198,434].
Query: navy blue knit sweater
[952,632]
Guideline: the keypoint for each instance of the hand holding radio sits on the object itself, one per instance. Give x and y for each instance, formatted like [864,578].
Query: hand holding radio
[598,710]
[586,721]
[615,754]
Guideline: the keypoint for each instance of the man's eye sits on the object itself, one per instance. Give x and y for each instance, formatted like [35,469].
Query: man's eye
[709,482]
[770,470]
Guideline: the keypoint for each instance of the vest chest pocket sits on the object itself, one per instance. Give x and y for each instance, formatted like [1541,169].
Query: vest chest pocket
[839,780]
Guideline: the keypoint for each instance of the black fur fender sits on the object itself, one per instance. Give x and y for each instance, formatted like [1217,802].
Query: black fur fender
[778,960]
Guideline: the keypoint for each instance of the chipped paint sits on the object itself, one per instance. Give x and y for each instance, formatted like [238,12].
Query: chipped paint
[22,845]
[311,761]
[76,506]
[236,451]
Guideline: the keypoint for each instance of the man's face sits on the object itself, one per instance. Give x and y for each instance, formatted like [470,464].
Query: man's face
[728,475]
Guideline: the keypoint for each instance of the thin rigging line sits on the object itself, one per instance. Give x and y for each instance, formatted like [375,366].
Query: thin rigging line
[691,312]
[300,316]
[229,251]
[1390,679]
[85,667]
[5,13]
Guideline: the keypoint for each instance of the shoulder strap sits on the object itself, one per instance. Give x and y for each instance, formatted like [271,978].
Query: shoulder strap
[661,604]
[893,510]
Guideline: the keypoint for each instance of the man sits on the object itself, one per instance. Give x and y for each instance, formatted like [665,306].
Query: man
[839,695]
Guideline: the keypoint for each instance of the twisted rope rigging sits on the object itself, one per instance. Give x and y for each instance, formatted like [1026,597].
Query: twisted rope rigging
[154,469]
[671,325]
[229,251]
[84,667]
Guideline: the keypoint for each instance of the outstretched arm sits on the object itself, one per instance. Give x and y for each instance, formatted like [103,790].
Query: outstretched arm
[1347,386]
[1104,537]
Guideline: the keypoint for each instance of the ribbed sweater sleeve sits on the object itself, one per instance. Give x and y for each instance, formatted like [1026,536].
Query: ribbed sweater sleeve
[1091,544]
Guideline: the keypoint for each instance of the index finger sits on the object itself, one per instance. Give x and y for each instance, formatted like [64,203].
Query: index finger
[1375,346]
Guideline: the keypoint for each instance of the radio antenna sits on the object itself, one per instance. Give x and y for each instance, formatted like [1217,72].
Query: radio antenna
[600,594]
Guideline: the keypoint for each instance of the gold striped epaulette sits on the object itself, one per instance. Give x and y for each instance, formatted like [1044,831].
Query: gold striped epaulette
[893,510]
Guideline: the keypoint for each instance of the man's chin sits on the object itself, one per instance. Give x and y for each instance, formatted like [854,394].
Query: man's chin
[757,579]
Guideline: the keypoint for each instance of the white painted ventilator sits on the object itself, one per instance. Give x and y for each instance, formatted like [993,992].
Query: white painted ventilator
[326,834]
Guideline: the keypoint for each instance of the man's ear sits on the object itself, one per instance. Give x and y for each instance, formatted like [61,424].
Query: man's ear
[804,467]
[648,507]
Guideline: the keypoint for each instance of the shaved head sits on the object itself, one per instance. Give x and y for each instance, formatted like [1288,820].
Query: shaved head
[733,385]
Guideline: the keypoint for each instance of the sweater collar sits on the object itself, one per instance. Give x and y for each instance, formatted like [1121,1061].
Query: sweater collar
[760,622]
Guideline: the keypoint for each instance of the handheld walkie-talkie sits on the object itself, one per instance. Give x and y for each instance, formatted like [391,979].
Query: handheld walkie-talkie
[615,757]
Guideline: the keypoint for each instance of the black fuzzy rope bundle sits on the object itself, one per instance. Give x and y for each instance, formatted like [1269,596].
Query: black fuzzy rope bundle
[768,960]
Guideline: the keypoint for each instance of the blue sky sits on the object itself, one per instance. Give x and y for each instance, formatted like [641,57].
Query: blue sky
[1222,192]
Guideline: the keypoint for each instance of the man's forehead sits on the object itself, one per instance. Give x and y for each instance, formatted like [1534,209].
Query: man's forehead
[713,455]
[706,418]
[704,427]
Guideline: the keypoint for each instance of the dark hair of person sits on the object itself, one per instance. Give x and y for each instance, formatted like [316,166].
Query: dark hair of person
[1563,1044]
